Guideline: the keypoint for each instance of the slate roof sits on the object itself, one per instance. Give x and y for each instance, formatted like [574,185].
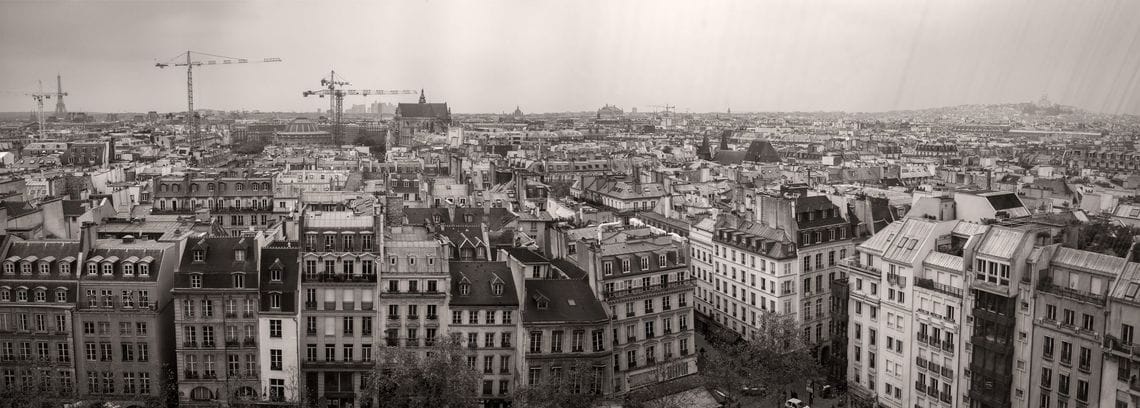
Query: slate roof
[481,275]
[19,208]
[526,256]
[52,250]
[74,208]
[423,110]
[1088,261]
[568,300]
[219,256]
[1001,242]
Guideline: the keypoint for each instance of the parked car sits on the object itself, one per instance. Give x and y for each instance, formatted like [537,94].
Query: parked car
[795,403]
[754,390]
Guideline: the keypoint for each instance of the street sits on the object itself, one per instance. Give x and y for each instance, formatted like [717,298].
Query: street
[775,398]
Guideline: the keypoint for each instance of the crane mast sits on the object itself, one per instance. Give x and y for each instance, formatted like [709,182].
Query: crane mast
[333,87]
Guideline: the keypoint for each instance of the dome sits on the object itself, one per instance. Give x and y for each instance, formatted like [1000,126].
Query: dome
[302,125]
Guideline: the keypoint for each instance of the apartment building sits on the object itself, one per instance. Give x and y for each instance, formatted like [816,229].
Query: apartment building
[484,313]
[339,255]
[216,290]
[124,322]
[753,271]
[278,324]
[38,297]
[238,198]
[824,237]
[644,279]
[882,313]
[1120,369]
[1072,293]
[566,326]
[414,287]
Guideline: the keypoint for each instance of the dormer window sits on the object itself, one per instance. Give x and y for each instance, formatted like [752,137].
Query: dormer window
[196,280]
[5,295]
[26,268]
[464,288]
[625,265]
[41,296]
[661,260]
[467,218]
[644,263]
[435,218]
[45,268]
[21,295]
[144,270]
[92,268]
[9,268]
[61,295]
[497,288]
[199,255]
[608,268]
[128,269]
[543,303]
[275,274]
[239,255]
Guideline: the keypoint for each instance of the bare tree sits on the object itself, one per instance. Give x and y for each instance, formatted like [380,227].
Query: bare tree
[775,357]
[439,377]
[573,385]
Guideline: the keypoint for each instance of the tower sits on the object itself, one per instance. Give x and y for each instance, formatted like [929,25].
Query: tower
[60,109]
[422,98]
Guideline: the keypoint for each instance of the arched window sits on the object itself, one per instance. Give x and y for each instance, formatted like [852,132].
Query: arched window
[5,295]
[497,288]
[61,295]
[26,268]
[92,268]
[201,394]
[464,288]
[162,188]
[239,187]
[21,295]
[9,267]
[194,188]
[176,188]
[41,295]
[210,187]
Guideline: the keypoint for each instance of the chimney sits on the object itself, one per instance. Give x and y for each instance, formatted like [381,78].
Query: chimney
[87,237]
[129,239]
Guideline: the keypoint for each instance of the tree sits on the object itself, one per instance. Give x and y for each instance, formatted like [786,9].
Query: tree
[439,377]
[575,384]
[775,357]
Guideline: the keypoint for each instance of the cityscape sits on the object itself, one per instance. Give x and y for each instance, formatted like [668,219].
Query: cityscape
[588,205]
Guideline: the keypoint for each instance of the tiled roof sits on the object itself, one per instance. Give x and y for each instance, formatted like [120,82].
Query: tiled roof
[481,276]
[526,255]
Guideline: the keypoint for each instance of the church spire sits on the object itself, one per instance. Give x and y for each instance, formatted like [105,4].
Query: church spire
[422,98]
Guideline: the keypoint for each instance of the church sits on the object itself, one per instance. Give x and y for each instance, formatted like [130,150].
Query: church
[422,117]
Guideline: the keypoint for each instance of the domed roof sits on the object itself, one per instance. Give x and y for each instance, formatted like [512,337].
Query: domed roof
[302,125]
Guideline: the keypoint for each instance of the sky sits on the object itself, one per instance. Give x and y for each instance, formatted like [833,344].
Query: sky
[490,56]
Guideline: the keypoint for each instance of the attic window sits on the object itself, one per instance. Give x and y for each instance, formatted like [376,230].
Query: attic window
[199,255]
[467,218]
[239,255]
[435,218]
[497,288]
[911,244]
[543,303]
[464,288]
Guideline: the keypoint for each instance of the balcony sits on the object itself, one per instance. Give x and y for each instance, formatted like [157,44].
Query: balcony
[947,372]
[233,344]
[310,305]
[854,266]
[332,277]
[249,342]
[1128,349]
[938,287]
[1046,285]
[649,289]
[190,344]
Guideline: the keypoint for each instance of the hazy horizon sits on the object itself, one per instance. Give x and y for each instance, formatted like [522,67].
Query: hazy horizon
[488,57]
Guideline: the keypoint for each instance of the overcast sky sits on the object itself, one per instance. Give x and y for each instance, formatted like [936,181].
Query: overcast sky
[489,56]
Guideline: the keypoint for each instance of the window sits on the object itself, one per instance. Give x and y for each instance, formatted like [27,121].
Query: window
[275,360]
[535,342]
[196,281]
[275,328]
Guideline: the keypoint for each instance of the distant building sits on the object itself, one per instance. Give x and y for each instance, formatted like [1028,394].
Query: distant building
[422,117]
[302,132]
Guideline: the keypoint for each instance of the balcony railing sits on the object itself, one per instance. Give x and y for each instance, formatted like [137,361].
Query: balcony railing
[337,277]
[1047,286]
[853,265]
[938,287]
[650,288]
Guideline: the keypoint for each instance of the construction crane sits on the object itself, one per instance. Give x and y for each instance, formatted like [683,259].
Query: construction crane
[187,59]
[39,97]
[334,89]
[666,107]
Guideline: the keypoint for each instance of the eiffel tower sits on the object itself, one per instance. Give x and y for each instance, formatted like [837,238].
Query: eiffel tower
[60,109]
